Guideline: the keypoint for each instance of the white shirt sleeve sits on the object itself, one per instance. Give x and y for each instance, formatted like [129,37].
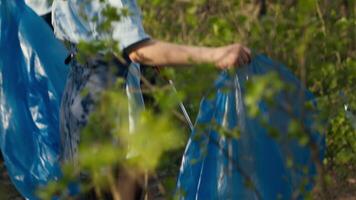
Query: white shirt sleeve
[69,25]
[129,30]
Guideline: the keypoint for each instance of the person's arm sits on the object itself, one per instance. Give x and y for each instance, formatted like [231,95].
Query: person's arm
[140,48]
[158,53]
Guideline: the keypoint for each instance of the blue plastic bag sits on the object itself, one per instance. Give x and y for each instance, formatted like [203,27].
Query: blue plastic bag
[256,165]
[32,79]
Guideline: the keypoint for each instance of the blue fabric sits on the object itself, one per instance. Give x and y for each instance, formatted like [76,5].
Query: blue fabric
[32,79]
[254,166]
[69,24]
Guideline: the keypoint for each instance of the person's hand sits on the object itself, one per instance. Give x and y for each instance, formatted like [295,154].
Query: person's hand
[232,56]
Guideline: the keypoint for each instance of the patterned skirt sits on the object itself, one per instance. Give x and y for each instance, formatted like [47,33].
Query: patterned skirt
[93,78]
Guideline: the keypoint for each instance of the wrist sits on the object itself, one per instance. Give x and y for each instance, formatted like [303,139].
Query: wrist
[210,55]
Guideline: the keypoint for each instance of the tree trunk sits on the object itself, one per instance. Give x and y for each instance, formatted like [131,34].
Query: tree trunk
[262,4]
[344,8]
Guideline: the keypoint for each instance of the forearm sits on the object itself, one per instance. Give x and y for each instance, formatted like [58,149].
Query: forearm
[157,53]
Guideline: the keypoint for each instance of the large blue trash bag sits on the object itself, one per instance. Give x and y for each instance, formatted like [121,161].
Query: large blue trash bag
[256,165]
[32,79]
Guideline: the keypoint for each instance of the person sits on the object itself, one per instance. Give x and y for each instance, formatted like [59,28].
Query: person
[137,46]
[31,78]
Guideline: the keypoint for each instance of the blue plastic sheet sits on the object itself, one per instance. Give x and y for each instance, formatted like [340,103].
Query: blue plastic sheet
[256,165]
[32,78]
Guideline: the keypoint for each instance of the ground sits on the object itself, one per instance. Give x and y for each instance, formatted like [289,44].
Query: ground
[340,187]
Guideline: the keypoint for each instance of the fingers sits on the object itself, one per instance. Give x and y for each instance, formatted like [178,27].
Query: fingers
[248,52]
[244,56]
[234,56]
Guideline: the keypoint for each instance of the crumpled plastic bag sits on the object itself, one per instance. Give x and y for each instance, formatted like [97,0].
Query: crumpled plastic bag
[32,79]
[256,164]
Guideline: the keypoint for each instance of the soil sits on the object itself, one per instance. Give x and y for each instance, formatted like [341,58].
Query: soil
[340,186]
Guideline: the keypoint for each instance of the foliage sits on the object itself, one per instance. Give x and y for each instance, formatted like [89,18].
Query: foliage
[315,38]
